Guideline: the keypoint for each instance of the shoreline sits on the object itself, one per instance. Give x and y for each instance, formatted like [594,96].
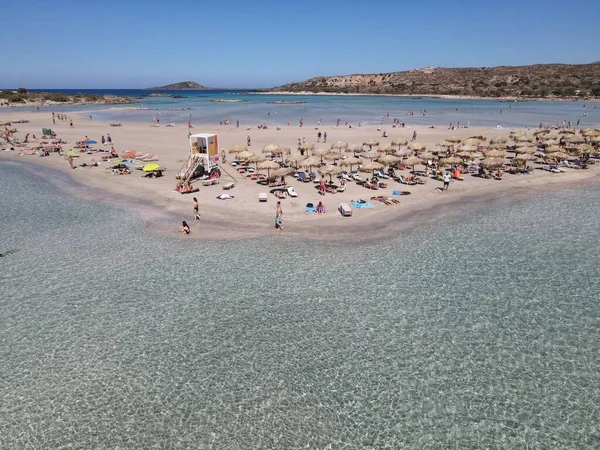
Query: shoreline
[439,96]
[162,209]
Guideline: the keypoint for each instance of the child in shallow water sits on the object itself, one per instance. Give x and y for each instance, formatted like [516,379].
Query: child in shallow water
[185,228]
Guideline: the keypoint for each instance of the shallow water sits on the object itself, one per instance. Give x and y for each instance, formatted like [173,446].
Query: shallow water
[471,332]
[258,108]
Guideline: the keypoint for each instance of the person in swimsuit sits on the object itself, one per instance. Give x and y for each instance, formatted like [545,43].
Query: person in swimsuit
[196,214]
[185,228]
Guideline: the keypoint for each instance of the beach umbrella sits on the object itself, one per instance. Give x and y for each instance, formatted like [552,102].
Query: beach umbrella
[294,160]
[320,152]
[151,167]
[450,161]
[495,154]
[492,163]
[245,155]
[386,160]
[271,148]
[332,154]
[472,141]
[238,149]
[596,140]
[524,150]
[479,137]
[404,152]
[446,143]
[307,147]
[591,133]
[416,146]
[465,154]
[541,132]
[399,142]
[370,155]
[386,149]
[283,171]
[351,162]
[539,154]
[549,142]
[467,148]
[310,162]
[558,155]
[428,156]
[525,157]
[566,132]
[499,140]
[413,161]
[370,143]
[584,148]
[454,139]
[269,165]
[371,166]
[354,148]
[522,138]
[574,139]
[553,149]
[339,146]
[330,170]
[256,159]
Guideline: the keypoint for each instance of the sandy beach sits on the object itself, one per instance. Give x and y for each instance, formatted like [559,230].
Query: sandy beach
[163,209]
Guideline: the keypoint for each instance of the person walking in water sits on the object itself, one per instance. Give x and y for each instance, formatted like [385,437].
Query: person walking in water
[278,217]
[196,207]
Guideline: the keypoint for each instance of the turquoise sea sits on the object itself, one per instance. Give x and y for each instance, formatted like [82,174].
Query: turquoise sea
[479,330]
[256,108]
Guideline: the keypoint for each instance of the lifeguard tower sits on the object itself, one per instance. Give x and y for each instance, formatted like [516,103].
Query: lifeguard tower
[203,158]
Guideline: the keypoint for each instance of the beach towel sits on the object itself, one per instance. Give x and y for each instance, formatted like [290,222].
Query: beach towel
[310,209]
[359,205]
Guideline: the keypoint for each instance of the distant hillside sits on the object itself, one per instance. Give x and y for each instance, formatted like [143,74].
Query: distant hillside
[183,85]
[540,80]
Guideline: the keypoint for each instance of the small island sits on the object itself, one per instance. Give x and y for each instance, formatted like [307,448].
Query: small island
[181,86]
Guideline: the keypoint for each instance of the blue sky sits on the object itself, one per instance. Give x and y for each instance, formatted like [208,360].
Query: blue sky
[236,43]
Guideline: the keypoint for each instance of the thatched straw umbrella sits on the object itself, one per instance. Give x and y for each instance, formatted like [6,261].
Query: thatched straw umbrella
[330,170]
[257,159]
[566,132]
[238,149]
[524,157]
[283,172]
[399,142]
[320,152]
[553,149]
[472,141]
[245,155]
[584,148]
[559,156]
[454,139]
[294,160]
[499,140]
[371,143]
[313,161]
[271,148]
[339,146]
[307,147]
[495,154]
[372,166]
[591,133]
[465,154]
[541,132]
[479,137]
[370,155]
[413,161]
[404,152]
[386,149]
[467,148]
[354,148]
[523,150]
[386,160]
[351,162]
[492,163]
[522,138]
[450,161]
[333,155]
[428,156]
[416,146]
[269,165]
[574,139]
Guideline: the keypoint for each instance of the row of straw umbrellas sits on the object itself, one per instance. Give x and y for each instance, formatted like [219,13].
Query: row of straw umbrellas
[558,146]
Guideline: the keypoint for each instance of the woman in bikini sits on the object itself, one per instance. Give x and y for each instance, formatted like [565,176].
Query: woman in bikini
[196,214]
[185,228]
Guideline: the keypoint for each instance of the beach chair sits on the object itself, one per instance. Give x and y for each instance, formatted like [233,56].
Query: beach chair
[292,192]
[380,174]
[314,178]
[228,186]
[346,177]
[345,210]
[400,179]
[263,197]
[302,177]
[356,176]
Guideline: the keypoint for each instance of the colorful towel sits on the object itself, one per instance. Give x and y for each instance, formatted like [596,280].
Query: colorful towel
[359,205]
[309,209]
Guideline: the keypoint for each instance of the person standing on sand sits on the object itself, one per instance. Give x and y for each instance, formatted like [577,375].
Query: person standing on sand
[248,142]
[446,181]
[278,216]
[70,159]
[325,137]
[71,123]
[414,136]
[196,207]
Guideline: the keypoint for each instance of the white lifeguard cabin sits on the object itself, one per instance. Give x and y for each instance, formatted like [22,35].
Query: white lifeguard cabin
[204,154]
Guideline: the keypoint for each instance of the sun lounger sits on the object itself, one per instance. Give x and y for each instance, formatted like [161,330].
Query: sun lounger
[302,177]
[228,186]
[341,188]
[280,194]
[210,182]
[262,197]
[345,210]
[225,197]
[292,192]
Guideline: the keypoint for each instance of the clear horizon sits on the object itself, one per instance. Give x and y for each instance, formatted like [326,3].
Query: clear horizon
[135,45]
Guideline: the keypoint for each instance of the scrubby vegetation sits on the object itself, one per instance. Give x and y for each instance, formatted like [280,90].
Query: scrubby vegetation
[537,81]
